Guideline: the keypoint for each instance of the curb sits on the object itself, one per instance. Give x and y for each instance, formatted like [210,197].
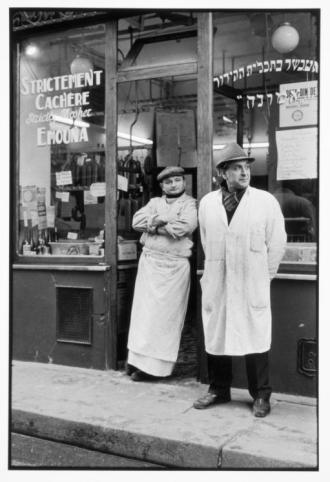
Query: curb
[166,452]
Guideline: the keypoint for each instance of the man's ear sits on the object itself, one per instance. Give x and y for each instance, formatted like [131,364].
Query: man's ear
[222,173]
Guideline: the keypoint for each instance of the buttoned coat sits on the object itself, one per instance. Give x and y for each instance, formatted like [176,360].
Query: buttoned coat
[240,260]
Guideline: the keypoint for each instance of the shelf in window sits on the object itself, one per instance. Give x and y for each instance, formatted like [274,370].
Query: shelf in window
[73,188]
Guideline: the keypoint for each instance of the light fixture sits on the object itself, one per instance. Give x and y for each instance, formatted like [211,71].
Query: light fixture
[140,140]
[81,64]
[32,50]
[69,122]
[253,145]
[285,38]
[226,119]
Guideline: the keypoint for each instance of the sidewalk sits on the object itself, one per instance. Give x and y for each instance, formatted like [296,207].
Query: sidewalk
[155,422]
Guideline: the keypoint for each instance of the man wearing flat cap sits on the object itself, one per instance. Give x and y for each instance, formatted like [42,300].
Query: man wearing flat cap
[163,279]
[243,238]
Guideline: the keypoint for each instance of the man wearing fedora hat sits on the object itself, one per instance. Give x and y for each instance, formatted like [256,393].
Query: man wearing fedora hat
[243,237]
[163,279]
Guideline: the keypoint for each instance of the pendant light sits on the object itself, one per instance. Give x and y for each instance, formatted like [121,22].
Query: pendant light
[285,38]
[81,64]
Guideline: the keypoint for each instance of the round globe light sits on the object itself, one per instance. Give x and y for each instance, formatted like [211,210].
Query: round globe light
[32,50]
[80,65]
[285,38]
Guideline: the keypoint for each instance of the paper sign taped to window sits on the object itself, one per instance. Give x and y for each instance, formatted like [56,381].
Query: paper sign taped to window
[122,183]
[296,153]
[97,189]
[72,235]
[63,178]
[29,196]
[300,105]
[89,198]
[63,195]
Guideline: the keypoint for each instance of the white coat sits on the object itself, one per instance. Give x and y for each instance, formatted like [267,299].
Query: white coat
[240,261]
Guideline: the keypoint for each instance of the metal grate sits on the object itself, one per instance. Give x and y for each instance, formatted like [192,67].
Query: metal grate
[74,308]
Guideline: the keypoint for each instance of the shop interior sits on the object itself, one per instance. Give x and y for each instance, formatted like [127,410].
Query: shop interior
[62,166]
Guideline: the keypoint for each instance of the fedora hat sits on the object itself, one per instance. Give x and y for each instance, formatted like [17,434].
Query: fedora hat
[231,152]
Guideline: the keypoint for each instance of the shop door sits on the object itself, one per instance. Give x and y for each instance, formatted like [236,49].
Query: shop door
[156,128]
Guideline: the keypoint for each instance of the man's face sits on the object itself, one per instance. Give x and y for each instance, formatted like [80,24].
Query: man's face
[237,175]
[173,185]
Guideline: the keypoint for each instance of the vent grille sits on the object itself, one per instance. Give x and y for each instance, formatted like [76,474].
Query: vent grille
[74,307]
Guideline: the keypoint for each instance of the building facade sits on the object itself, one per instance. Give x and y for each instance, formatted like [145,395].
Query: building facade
[101,101]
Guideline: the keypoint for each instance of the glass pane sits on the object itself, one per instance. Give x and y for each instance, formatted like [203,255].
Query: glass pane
[157,38]
[268,61]
[61,144]
[156,128]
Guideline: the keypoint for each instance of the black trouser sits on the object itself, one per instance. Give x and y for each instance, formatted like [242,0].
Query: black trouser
[257,369]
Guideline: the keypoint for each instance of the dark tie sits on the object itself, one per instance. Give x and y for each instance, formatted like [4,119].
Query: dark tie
[230,200]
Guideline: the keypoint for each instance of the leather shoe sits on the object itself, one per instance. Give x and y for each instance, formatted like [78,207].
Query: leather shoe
[140,376]
[210,399]
[129,369]
[261,407]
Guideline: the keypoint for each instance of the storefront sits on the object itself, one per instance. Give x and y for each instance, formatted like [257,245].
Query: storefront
[101,102]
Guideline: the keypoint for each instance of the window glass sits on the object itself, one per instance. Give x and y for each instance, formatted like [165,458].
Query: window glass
[156,129]
[157,38]
[61,144]
[268,62]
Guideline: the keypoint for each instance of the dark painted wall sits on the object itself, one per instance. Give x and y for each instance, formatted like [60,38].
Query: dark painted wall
[34,318]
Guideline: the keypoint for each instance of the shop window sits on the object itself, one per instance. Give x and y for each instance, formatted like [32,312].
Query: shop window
[62,144]
[271,84]
[157,38]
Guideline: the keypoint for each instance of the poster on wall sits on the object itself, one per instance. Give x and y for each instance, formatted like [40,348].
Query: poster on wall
[300,105]
[296,154]
[176,139]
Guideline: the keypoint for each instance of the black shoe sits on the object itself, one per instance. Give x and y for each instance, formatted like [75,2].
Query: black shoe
[129,369]
[211,399]
[261,407]
[140,376]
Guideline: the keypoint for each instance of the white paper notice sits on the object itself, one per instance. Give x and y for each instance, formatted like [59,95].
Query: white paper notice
[63,195]
[97,189]
[297,154]
[122,182]
[72,235]
[298,104]
[63,178]
[89,198]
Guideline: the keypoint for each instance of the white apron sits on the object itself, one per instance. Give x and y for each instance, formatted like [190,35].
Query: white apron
[240,261]
[158,312]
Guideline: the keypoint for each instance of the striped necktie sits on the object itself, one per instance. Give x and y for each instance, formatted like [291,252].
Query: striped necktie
[229,200]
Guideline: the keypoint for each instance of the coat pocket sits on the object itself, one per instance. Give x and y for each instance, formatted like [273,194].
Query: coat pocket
[257,242]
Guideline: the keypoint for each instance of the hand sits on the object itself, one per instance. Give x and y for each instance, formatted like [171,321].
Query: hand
[161,230]
[159,220]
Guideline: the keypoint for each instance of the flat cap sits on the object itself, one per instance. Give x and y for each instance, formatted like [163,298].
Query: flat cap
[170,171]
[232,152]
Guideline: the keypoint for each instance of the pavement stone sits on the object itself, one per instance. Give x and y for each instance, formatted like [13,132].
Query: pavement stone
[155,421]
